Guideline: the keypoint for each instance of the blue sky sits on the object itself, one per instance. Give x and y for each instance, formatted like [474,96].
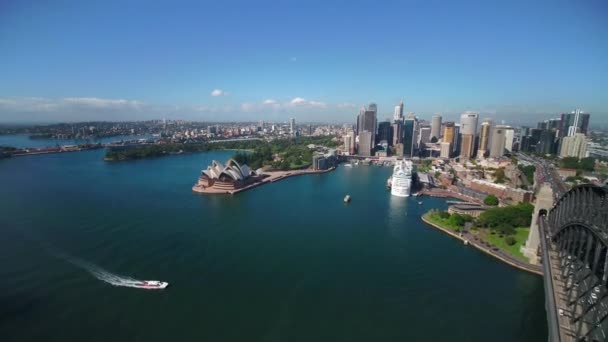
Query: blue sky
[512,60]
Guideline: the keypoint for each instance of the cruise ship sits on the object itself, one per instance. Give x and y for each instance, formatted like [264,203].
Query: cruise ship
[401,180]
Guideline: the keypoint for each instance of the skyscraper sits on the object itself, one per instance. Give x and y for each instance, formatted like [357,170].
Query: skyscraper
[497,148]
[292,126]
[468,127]
[446,150]
[397,132]
[467,142]
[409,134]
[398,115]
[365,143]
[385,132]
[509,138]
[448,132]
[349,144]
[484,138]
[575,122]
[436,127]
[424,135]
[366,122]
[468,123]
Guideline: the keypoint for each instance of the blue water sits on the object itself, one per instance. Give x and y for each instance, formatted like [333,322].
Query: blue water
[23,140]
[287,261]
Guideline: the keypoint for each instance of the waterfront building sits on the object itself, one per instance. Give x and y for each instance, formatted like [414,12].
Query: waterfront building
[409,134]
[230,177]
[445,150]
[467,143]
[574,146]
[366,121]
[484,138]
[399,150]
[436,127]
[365,143]
[497,148]
[349,143]
[575,122]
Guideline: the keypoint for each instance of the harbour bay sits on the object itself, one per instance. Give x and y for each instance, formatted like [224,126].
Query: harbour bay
[284,262]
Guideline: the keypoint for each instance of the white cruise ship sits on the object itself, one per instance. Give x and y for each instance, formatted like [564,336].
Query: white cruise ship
[401,180]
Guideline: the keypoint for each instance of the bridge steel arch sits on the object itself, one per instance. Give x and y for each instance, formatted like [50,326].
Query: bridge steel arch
[575,259]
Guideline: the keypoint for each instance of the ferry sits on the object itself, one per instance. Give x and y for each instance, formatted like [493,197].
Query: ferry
[401,180]
[151,285]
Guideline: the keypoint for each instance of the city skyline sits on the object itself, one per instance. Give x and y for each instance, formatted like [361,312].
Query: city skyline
[441,62]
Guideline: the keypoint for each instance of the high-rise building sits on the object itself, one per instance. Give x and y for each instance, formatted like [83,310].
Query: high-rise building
[398,115]
[397,132]
[546,143]
[484,138]
[366,122]
[292,126]
[436,127]
[385,132]
[409,136]
[446,150]
[467,143]
[349,144]
[575,122]
[497,148]
[457,139]
[468,123]
[448,132]
[509,138]
[574,146]
[365,143]
[424,135]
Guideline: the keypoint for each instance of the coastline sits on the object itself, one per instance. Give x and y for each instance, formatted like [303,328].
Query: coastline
[272,176]
[521,265]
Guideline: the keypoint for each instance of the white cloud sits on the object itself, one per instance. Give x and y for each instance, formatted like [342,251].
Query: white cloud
[301,102]
[219,92]
[269,102]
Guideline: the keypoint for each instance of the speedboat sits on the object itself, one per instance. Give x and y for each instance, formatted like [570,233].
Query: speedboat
[151,284]
[348,165]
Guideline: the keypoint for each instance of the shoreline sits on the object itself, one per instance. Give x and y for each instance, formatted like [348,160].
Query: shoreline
[537,270]
[272,177]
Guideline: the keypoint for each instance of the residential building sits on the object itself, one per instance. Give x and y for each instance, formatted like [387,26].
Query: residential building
[574,146]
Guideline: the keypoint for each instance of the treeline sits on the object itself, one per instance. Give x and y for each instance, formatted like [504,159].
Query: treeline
[584,164]
[506,219]
[158,150]
[281,154]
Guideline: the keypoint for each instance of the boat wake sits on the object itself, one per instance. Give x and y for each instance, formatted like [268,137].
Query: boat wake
[100,273]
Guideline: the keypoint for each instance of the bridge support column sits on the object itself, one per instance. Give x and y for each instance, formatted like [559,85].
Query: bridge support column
[544,201]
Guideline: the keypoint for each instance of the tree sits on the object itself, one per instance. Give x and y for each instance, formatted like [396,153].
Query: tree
[509,240]
[456,220]
[444,214]
[491,200]
[499,175]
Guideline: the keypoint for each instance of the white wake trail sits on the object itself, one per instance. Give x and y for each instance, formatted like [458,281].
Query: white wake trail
[100,273]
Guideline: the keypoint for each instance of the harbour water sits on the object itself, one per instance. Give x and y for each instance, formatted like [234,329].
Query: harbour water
[287,261]
[24,140]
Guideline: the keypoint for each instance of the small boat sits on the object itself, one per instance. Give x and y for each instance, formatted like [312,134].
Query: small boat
[348,165]
[419,202]
[151,285]
[346,198]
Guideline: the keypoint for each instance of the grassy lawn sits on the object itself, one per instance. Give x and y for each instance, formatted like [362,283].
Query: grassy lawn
[434,217]
[521,234]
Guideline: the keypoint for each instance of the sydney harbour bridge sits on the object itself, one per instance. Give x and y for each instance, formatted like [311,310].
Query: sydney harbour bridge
[573,250]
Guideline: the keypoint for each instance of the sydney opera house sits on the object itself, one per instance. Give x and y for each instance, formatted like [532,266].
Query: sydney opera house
[227,178]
